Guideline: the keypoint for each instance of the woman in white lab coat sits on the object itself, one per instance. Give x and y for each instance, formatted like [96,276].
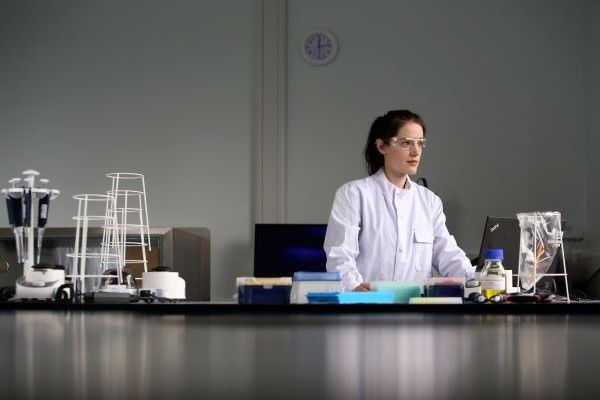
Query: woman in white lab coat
[386,227]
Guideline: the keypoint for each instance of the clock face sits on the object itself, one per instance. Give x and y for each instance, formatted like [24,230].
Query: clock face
[319,47]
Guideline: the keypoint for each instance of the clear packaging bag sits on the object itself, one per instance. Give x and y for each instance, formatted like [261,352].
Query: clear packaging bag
[541,237]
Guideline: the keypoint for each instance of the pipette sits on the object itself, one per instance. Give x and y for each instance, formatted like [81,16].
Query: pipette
[27,201]
[43,207]
[15,215]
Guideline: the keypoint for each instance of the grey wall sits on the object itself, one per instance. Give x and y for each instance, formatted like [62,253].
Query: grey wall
[166,88]
[592,74]
[499,83]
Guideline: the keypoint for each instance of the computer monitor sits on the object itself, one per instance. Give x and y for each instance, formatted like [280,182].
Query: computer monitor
[282,249]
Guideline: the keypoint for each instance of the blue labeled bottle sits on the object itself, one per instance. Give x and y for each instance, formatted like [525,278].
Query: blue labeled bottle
[493,275]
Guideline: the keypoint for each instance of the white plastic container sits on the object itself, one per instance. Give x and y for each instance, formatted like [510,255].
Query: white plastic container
[166,284]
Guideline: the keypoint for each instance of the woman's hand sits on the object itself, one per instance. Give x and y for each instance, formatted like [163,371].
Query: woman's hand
[363,287]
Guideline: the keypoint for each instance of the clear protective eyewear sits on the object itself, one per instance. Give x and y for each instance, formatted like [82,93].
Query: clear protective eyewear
[406,143]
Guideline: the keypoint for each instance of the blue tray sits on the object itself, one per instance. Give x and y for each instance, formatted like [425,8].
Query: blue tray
[351,298]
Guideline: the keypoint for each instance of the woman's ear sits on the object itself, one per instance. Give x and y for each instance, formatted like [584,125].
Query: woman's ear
[381,146]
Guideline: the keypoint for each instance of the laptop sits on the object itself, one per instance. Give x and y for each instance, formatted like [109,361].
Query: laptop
[501,233]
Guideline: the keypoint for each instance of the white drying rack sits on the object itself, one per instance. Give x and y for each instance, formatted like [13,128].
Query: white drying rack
[124,223]
[90,214]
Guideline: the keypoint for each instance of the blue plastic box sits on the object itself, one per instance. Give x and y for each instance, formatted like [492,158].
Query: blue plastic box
[444,290]
[402,291]
[351,298]
[268,294]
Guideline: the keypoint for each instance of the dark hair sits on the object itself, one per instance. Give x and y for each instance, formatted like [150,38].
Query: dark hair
[385,127]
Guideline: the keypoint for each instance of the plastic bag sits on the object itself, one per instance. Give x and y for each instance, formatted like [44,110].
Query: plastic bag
[541,237]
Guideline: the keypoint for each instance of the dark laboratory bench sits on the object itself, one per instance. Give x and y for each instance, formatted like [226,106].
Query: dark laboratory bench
[231,351]
[227,308]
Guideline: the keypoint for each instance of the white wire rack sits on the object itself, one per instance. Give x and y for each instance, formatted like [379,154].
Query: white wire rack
[89,264]
[122,215]
[127,212]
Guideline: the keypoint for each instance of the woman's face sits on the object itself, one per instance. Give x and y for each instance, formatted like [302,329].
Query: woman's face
[403,153]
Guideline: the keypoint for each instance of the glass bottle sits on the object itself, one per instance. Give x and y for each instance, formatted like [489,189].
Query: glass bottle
[493,275]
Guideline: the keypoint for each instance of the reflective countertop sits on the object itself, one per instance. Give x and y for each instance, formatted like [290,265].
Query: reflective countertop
[127,354]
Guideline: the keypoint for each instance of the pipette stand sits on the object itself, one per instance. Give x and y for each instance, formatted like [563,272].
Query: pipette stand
[36,282]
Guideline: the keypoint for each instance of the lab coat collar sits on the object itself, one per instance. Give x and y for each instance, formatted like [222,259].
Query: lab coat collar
[389,187]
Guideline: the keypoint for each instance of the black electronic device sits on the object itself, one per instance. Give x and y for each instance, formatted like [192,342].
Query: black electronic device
[523,298]
[282,249]
[501,233]
[109,298]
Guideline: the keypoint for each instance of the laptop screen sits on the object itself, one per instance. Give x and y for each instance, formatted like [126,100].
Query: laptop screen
[501,233]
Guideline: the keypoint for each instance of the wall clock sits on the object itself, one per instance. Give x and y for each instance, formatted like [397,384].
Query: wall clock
[319,47]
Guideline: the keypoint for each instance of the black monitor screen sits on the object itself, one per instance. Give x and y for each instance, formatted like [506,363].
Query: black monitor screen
[502,233]
[282,249]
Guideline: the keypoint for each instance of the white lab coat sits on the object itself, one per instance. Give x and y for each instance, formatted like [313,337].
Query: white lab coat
[379,232]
